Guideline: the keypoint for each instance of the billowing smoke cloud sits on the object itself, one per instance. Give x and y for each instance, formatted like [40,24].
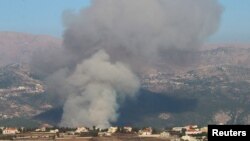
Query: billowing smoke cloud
[142,32]
[95,87]
[106,44]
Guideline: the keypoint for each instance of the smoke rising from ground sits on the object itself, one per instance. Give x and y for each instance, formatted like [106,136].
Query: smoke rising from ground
[106,44]
[96,87]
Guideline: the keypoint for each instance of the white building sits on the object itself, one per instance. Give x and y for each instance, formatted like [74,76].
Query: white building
[54,131]
[127,129]
[42,129]
[177,129]
[10,131]
[112,129]
[193,132]
[191,127]
[81,130]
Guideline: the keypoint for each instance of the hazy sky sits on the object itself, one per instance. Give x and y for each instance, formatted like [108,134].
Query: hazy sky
[45,17]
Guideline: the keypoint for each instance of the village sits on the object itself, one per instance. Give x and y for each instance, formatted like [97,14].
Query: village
[15,91]
[48,132]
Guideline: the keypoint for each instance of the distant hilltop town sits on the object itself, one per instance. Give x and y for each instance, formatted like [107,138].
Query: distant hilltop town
[48,132]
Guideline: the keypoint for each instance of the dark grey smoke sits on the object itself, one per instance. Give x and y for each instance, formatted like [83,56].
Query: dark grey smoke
[106,44]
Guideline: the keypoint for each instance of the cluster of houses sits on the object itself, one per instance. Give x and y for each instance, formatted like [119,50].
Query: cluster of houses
[14,91]
[187,133]
[192,132]
[9,131]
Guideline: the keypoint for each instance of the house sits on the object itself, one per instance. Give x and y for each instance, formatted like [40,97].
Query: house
[177,129]
[127,129]
[146,131]
[10,131]
[193,132]
[54,131]
[81,130]
[42,129]
[38,130]
[112,129]
[191,127]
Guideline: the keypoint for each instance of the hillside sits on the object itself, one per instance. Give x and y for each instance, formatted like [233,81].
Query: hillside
[209,95]
[218,77]
[221,94]
[214,90]
[20,94]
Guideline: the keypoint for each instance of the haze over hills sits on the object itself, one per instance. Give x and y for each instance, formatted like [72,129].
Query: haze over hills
[231,54]
[18,47]
[216,90]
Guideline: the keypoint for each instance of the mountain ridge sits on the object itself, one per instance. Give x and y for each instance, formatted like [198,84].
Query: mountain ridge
[215,90]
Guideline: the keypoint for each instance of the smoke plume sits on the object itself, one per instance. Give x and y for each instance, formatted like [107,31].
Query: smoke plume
[95,86]
[107,44]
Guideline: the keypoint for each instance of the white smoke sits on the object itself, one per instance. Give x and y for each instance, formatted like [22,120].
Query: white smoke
[106,44]
[95,88]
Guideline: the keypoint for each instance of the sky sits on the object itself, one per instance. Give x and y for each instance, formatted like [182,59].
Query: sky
[235,22]
[45,17]
[36,16]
